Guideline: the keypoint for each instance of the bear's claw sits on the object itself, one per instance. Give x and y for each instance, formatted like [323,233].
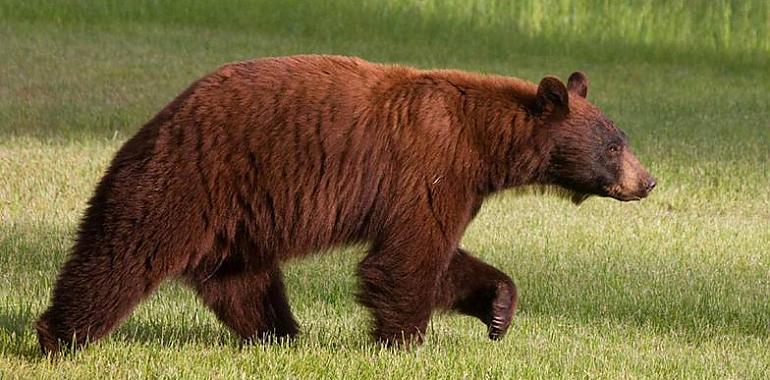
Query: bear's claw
[503,307]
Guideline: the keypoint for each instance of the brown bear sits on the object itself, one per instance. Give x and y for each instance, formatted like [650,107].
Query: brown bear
[271,159]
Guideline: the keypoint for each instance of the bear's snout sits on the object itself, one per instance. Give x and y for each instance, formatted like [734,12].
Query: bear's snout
[644,188]
[634,183]
[649,185]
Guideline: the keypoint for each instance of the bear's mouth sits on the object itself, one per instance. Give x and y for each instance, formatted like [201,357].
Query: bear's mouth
[614,193]
[626,198]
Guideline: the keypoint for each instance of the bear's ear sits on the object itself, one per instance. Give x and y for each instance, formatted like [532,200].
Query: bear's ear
[552,97]
[578,83]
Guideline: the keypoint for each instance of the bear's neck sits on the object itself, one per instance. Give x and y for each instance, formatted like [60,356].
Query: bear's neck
[511,152]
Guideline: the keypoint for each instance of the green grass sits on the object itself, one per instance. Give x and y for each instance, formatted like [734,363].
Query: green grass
[675,286]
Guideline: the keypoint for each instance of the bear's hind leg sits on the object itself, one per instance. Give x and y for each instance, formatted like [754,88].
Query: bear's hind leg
[93,294]
[475,288]
[250,301]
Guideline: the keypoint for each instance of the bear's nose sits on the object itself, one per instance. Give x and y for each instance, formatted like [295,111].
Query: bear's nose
[650,185]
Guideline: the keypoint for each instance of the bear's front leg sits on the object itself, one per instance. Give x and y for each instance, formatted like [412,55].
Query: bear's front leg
[399,282]
[474,288]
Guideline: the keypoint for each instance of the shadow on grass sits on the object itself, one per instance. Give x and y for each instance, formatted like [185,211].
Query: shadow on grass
[173,335]
[16,326]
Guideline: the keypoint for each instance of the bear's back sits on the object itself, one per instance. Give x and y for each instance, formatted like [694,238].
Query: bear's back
[292,142]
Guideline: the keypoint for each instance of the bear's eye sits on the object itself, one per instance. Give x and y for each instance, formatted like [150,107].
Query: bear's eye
[613,149]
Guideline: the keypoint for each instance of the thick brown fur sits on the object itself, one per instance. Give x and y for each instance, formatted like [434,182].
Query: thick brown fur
[272,159]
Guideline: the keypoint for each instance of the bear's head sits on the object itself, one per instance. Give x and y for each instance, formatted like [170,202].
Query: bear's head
[589,155]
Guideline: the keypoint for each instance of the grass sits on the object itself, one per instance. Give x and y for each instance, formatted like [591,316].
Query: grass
[675,286]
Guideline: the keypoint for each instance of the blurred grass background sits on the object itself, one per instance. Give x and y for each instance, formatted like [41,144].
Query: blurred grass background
[733,31]
[675,286]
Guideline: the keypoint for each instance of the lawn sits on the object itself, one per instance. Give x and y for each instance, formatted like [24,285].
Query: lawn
[675,286]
